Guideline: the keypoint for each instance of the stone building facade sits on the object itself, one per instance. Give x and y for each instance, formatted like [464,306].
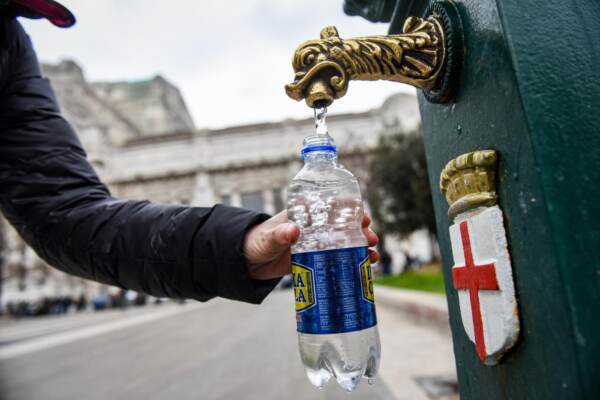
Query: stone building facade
[142,141]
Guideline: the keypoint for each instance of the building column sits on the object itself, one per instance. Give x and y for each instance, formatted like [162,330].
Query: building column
[236,199]
[204,194]
[269,202]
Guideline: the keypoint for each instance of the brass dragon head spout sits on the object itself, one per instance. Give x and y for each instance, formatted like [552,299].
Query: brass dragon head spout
[427,55]
[321,75]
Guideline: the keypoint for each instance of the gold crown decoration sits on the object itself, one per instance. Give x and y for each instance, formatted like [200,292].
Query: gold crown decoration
[469,181]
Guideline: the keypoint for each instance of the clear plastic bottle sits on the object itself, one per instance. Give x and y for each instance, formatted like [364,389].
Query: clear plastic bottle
[335,309]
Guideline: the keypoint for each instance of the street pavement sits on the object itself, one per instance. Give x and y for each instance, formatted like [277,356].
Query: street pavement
[215,350]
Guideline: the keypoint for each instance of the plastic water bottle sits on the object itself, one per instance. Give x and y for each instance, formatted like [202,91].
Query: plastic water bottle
[333,288]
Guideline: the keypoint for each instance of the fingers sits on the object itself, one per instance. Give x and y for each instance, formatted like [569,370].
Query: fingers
[372,238]
[366,221]
[373,256]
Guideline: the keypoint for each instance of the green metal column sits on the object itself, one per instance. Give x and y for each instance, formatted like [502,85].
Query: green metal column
[530,88]
[556,59]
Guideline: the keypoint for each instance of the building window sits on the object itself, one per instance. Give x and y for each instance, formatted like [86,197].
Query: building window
[278,200]
[226,199]
[253,201]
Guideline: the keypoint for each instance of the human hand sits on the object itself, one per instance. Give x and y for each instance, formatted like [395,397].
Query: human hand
[267,246]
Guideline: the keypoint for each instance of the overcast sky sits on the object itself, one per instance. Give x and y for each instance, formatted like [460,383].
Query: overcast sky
[230,59]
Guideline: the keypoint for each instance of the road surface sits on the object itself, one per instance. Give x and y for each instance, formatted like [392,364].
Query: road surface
[216,350]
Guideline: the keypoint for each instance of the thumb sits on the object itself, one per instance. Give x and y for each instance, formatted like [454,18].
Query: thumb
[282,236]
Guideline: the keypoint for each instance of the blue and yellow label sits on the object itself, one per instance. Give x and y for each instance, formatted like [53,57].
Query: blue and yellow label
[304,287]
[333,291]
[366,279]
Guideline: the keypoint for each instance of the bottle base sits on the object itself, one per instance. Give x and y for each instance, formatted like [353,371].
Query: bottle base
[348,381]
[347,357]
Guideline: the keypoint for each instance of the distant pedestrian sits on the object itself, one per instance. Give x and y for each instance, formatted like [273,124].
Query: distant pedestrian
[386,262]
[409,261]
[81,303]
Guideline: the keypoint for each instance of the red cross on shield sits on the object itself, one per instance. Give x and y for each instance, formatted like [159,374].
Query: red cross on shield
[482,276]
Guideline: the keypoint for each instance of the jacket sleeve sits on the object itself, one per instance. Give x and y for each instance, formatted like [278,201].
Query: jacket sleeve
[55,200]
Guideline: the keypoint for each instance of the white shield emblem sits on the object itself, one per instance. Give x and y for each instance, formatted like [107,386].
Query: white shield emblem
[482,275]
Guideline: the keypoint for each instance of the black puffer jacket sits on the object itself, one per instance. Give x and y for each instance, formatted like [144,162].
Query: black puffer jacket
[53,197]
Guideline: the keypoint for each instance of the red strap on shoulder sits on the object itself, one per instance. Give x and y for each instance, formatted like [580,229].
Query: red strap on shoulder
[54,12]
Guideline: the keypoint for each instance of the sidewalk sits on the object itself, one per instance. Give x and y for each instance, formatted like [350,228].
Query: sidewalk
[417,355]
[423,308]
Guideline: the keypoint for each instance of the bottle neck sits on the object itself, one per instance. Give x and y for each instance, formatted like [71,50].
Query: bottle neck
[318,147]
[319,156]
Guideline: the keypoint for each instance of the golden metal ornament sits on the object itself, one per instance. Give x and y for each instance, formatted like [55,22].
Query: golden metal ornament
[324,67]
[469,181]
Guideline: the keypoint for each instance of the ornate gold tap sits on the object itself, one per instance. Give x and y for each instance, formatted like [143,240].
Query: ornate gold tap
[425,55]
